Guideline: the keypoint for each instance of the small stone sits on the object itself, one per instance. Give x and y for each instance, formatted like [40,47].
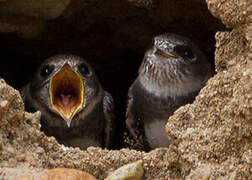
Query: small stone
[40,150]
[244,73]
[50,145]
[65,174]
[132,171]
[3,105]
[226,75]
[65,149]
[21,157]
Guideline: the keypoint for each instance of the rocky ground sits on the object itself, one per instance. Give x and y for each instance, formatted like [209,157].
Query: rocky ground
[210,138]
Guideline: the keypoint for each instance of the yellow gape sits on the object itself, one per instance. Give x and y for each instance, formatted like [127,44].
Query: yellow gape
[66,93]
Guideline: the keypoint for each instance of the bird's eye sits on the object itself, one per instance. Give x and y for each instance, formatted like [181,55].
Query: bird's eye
[83,69]
[46,70]
[184,52]
[188,53]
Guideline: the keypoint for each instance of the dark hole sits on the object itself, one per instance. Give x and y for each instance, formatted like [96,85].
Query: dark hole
[114,42]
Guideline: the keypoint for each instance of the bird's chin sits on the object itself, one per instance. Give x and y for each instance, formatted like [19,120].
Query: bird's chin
[66,93]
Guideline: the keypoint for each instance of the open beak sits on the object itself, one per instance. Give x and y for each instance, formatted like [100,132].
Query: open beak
[66,93]
[158,52]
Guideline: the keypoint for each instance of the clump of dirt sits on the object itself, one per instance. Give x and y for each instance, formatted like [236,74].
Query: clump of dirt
[231,12]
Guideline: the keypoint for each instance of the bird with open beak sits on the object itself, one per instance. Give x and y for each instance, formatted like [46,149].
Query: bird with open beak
[172,73]
[74,107]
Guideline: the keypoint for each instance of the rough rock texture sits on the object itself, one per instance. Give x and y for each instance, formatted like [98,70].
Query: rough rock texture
[236,46]
[210,139]
[21,26]
[40,9]
[27,18]
[24,146]
[120,24]
[231,12]
[215,132]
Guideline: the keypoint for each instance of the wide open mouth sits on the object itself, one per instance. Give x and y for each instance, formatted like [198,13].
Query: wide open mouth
[66,92]
[161,53]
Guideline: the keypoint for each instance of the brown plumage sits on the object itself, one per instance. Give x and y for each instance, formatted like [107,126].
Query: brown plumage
[171,74]
[75,109]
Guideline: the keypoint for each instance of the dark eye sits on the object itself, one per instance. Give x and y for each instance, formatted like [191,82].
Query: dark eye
[184,52]
[188,53]
[83,69]
[46,70]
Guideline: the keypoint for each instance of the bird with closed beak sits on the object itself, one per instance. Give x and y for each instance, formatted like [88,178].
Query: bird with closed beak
[74,107]
[172,73]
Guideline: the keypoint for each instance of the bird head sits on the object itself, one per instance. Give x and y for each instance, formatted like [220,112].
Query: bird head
[64,85]
[174,64]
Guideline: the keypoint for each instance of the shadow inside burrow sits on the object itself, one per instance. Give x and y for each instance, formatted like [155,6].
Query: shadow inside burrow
[114,51]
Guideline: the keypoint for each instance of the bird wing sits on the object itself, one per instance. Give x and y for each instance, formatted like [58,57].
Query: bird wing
[108,109]
[131,120]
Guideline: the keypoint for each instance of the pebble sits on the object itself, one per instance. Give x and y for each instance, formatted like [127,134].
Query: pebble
[40,150]
[3,105]
[132,171]
[59,174]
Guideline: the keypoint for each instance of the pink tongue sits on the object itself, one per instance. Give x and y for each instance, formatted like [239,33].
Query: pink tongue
[66,100]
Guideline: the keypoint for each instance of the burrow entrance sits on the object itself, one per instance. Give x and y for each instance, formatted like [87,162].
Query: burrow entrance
[111,35]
